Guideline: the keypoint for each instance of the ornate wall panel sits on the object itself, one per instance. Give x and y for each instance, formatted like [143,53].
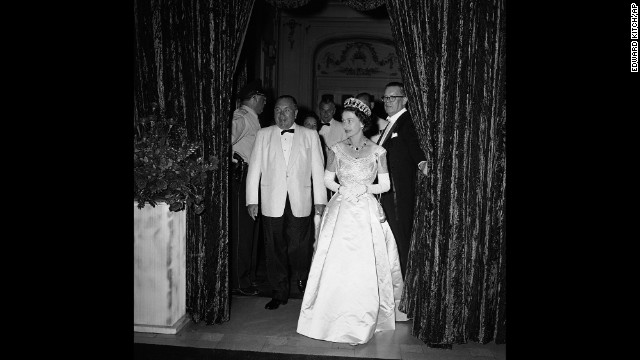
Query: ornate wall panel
[346,67]
[304,39]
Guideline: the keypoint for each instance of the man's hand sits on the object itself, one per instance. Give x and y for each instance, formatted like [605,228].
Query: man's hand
[253,210]
[319,208]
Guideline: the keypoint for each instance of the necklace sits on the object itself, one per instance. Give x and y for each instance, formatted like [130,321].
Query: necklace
[358,148]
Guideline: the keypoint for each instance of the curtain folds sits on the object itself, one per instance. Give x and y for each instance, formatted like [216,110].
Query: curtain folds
[452,57]
[287,4]
[185,58]
[364,5]
[360,5]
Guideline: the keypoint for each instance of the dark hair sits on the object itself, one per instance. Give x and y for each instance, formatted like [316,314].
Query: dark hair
[250,89]
[398,84]
[327,100]
[366,95]
[311,114]
[364,119]
[287,97]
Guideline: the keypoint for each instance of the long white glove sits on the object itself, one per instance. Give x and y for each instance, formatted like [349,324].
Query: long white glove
[329,181]
[383,185]
[353,192]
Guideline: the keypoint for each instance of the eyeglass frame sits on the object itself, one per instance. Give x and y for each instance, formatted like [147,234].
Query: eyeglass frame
[389,97]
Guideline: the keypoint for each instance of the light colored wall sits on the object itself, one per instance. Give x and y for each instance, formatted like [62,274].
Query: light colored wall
[347,67]
[298,48]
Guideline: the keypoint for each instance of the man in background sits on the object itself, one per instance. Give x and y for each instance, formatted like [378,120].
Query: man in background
[243,243]
[404,155]
[331,130]
[380,124]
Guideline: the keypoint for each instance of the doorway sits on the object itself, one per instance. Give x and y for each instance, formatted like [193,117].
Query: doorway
[325,47]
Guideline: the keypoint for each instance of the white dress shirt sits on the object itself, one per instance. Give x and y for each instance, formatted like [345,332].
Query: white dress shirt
[286,140]
[392,120]
[332,134]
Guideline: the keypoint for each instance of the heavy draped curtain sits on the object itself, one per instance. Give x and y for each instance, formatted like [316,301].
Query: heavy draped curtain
[186,53]
[452,58]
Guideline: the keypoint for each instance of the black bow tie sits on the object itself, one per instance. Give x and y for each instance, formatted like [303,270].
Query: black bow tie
[289,131]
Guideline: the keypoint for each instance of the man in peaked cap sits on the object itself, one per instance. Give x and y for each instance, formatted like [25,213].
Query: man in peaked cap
[243,243]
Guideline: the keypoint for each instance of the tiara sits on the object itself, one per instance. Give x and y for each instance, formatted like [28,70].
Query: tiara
[353,102]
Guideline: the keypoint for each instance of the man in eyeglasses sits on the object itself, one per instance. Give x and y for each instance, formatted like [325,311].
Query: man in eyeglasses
[403,156]
[287,165]
[243,243]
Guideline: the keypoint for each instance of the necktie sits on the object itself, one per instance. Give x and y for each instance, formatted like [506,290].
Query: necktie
[288,130]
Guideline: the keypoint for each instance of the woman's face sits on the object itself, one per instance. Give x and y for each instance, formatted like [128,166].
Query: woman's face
[352,125]
[310,122]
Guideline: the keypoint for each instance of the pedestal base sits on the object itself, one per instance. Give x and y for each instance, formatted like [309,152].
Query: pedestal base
[174,329]
[159,269]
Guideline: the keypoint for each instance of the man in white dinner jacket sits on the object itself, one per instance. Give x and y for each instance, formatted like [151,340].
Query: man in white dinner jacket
[285,160]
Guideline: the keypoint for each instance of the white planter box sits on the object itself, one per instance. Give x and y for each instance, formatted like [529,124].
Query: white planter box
[159,269]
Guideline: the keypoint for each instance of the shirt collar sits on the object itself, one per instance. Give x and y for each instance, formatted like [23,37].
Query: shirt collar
[392,119]
[249,110]
[294,126]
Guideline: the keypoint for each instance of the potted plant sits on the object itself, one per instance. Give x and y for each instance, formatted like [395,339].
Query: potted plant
[169,179]
[167,166]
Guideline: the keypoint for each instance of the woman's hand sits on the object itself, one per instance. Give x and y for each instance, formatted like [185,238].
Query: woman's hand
[352,193]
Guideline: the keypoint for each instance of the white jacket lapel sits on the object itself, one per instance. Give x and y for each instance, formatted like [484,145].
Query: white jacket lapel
[277,146]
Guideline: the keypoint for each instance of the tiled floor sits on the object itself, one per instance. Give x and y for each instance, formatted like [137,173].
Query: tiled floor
[255,329]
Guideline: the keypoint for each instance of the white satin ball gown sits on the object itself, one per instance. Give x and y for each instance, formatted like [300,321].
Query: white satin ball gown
[355,281]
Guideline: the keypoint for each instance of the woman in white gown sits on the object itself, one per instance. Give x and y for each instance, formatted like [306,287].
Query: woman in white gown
[355,282]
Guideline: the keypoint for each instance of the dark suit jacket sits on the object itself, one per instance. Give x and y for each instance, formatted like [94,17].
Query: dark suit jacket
[403,156]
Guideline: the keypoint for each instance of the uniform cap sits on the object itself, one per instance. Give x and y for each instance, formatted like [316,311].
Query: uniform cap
[252,88]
